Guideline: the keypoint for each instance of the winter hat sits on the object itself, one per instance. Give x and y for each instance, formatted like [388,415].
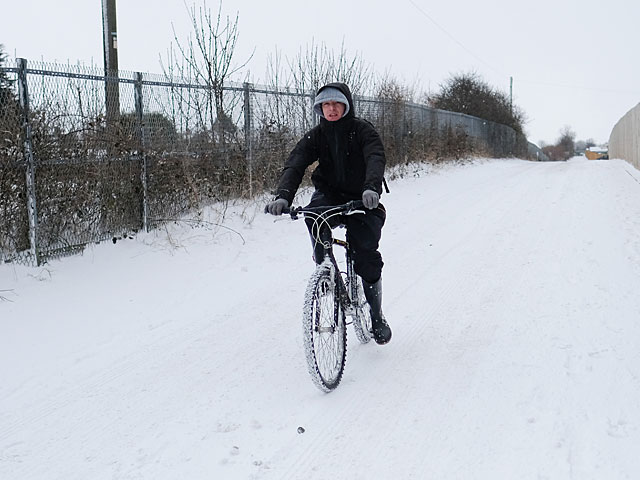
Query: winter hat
[330,94]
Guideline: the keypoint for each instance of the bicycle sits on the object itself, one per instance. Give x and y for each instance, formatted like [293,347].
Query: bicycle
[330,297]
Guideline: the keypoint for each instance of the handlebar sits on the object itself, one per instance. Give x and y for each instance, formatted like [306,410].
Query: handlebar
[345,208]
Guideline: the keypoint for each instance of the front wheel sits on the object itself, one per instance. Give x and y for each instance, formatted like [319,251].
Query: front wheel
[324,330]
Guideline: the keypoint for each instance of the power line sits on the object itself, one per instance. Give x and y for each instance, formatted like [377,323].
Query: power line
[581,87]
[532,82]
[460,44]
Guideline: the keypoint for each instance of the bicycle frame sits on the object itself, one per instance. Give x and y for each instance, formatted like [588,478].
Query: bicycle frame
[345,295]
[322,216]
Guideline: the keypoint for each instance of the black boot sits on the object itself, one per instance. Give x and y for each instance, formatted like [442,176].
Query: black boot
[381,329]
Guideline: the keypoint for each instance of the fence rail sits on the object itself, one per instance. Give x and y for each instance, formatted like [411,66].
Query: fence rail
[86,156]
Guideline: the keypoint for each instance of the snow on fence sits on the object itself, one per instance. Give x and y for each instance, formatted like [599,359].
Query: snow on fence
[86,156]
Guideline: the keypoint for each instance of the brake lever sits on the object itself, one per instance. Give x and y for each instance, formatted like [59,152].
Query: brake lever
[292,212]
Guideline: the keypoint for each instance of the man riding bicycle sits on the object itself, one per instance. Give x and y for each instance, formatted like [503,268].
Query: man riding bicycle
[351,163]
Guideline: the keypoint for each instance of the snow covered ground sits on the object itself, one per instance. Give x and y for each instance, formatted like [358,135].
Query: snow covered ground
[511,287]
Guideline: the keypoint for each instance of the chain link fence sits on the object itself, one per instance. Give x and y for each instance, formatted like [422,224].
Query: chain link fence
[86,156]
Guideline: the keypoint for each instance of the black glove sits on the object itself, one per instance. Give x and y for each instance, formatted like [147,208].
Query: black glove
[276,207]
[370,199]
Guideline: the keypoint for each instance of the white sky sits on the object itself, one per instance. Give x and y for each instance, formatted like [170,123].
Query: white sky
[573,62]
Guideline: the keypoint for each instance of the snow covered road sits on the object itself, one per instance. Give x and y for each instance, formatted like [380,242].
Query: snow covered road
[511,287]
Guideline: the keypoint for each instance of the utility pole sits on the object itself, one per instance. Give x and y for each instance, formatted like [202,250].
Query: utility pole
[511,95]
[110,42]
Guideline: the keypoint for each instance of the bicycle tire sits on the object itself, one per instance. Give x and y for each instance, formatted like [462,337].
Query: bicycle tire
[324,330]
[362,314]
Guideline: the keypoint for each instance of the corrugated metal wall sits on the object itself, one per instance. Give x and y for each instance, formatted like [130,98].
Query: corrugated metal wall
[624,141]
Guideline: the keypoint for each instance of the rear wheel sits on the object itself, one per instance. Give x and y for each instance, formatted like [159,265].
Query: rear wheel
[361,312]
[324,330]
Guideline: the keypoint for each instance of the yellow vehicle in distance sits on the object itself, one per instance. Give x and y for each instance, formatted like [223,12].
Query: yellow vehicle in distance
[596,153]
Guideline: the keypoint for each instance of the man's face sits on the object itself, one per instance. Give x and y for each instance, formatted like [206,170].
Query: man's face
[333,111]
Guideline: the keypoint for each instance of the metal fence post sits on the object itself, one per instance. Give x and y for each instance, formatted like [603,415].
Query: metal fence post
[32,206]
[142,153]
[247,134]
[314,115]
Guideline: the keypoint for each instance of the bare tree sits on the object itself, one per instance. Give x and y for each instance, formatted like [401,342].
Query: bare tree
[388,87]
[277,80]
[567,142]
[207,57]
[352,70]
[318,65]
[276,77]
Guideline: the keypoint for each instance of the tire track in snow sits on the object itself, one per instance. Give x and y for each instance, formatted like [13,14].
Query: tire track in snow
[148,375]
[486,210]
[69,406]
[324,439]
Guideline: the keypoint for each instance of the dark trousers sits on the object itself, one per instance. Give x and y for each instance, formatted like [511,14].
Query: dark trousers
[363,234]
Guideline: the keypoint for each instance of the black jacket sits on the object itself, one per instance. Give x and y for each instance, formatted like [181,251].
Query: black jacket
[350,157]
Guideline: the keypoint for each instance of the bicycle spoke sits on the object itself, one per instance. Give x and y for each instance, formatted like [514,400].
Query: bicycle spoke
[325,333]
